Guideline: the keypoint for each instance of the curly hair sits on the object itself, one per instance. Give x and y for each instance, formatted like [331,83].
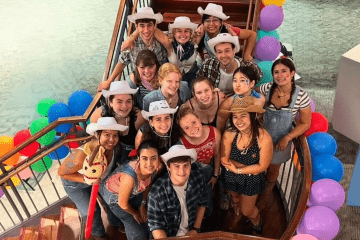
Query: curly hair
[166,69]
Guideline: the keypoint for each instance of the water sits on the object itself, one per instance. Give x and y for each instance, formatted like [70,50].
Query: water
[50,49]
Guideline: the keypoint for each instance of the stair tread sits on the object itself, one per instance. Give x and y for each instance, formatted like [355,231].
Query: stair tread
[49,227]
[12,238]
[29,233]
[69,223]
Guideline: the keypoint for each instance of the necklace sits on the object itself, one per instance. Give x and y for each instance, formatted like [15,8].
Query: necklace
[278,93]
[246,147]
[225,67]
[150,45]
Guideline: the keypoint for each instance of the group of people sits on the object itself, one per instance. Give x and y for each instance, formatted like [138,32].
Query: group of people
[188,117]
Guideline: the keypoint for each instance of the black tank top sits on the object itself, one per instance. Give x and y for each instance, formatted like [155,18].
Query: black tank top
[213,122]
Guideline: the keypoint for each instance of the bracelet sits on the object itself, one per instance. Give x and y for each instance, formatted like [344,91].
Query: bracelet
[215,176]
[198,230]
[143,202]
[239,170]
[289,135]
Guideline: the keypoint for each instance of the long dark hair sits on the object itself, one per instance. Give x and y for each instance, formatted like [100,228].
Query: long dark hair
[251,70]
[288,63]
[116,149]
[108,111]
[147,144]
[147,58]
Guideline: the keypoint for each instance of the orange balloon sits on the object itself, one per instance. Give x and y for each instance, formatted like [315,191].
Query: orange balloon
[14,179]
[296,162]
[7,144]
[274,2]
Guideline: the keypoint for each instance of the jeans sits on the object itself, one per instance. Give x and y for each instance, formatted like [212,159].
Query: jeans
[208,172]
[80,194]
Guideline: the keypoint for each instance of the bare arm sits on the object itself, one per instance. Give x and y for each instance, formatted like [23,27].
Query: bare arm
[200,211]
[96,115]
[250,36]
[117,71]
[71,165]
[227,139]
[129,42]
[213,180]
[164,40]
[138,138]
[223,115]
[159,233]
[139,120]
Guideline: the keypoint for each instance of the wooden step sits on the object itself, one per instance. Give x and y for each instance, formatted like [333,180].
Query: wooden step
[49,227]
[29,233]
[69,223]
[12,238]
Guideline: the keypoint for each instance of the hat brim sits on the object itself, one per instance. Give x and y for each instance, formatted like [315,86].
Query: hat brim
[93,127]
[184,152]
[130,91]
[158,17]
[231,39]
[212,13]
[146,114]
[189,25]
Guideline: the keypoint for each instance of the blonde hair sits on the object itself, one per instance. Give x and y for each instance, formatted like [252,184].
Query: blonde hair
[192,35]
[166,69]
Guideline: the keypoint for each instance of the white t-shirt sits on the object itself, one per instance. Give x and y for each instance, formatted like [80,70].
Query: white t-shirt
[226,81]
[184,224]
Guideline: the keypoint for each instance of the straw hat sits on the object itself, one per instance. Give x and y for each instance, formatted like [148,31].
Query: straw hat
[105,123]
[158,108]
[245,104]
[224,38]
[146,12]
[178,151]
[213,10]
[182,22]
[119,87]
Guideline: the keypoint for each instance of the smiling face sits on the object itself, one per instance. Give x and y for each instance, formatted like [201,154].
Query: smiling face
[147,73]
[282,75]
[148,160]
[203,92]
[242,121]
[170,83]
[212,25]
[191,126]
[121,104]
[109,139]
[146,30]
[225,53]
[161,123]
[179,172]
[182,35]
[242,85]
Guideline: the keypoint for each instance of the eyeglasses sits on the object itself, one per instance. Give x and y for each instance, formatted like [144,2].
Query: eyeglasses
[215,20]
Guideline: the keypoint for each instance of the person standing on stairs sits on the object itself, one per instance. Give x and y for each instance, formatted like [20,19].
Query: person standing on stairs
[89,164]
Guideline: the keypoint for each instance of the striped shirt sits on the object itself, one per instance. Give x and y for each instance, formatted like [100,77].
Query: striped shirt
[302,101]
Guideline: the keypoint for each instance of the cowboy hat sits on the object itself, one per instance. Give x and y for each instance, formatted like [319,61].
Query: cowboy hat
[182,22]
[158,108]
[119,87]
[213,10]
[245,104]
[145,12]
[224,38]
[179,151]
[105,123]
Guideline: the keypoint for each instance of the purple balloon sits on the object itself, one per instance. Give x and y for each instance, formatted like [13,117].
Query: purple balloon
[320,222]
[271,18]
[327,193]
[267,49]
[312,105]
[1,193]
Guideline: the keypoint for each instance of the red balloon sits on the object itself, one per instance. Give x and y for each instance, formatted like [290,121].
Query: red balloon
[262,5]
[73,144]
[22,136]
[319,123]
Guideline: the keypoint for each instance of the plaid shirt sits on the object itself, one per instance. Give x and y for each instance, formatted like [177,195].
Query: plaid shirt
[211,69]
[129,57]
[164,210]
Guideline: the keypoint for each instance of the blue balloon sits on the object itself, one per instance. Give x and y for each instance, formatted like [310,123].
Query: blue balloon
[261,33]
[59,110]
[266,69]
[326,166]
[79,101]
[59,153]
[322,142]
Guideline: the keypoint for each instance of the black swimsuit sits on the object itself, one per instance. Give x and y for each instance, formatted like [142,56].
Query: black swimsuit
[213,122]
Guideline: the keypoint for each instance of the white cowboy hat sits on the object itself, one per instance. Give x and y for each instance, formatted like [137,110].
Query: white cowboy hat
[105,123]
[213,10]
[146,12]
[178,151]
[158,108]
[224,38]
[182,22]
[119,87]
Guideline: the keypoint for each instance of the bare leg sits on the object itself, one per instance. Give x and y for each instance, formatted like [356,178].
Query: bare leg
[249,209]
[236,202]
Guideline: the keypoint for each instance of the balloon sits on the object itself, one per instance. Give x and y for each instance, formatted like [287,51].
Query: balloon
[14,179]
[274,2]
[327,193]
[79,101]
[44,105]
[271,18]
[261,33]
[59,110]
[319,123]
[267,49]
[73,144]
[39,165]
[326,166]
[26,173]
[320,222]
[21,137]
[262,5]
[296,162]
[39,124]
[312,105]
[322,142]
[59,153]
[1,193]
[7,144]
[304,237]
[266,69]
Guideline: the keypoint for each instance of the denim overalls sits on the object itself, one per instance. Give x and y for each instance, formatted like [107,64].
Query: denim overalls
[279,123]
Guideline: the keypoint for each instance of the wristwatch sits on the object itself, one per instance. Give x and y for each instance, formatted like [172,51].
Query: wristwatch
[198,230]
[143,202]
[215,176]
[239,170]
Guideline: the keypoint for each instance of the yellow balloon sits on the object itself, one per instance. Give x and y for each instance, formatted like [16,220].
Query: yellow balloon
[15,180]
[274,2]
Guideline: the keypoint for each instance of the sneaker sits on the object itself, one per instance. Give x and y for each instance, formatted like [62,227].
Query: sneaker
[259,228]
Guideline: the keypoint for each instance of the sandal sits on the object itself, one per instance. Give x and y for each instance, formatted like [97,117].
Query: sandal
[224,202]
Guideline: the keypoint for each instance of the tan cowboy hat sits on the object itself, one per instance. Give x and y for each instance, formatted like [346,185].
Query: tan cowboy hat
[224,38]
[158,108]
[105,123]
[182,22]
[245,104]
[213,10]
[119,87]
[178,151]
[146,12]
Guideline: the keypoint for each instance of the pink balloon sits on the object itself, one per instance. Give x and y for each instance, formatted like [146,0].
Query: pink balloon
[312,105]
[304,237]
[1,193]
[26,173]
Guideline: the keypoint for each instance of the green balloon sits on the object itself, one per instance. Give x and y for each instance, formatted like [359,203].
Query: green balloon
[261,33]
[44,105]
[39,124]
[266,69]
[39,165]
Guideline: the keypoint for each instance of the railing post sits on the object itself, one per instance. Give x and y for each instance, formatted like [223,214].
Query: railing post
[13,205]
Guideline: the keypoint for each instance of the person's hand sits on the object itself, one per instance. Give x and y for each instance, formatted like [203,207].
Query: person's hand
[127,44]
[200,31]
[138,218]
[229,29]
[282,143]
[143,212]
[103,85]
[248,57]
[191,232]
[212,181]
